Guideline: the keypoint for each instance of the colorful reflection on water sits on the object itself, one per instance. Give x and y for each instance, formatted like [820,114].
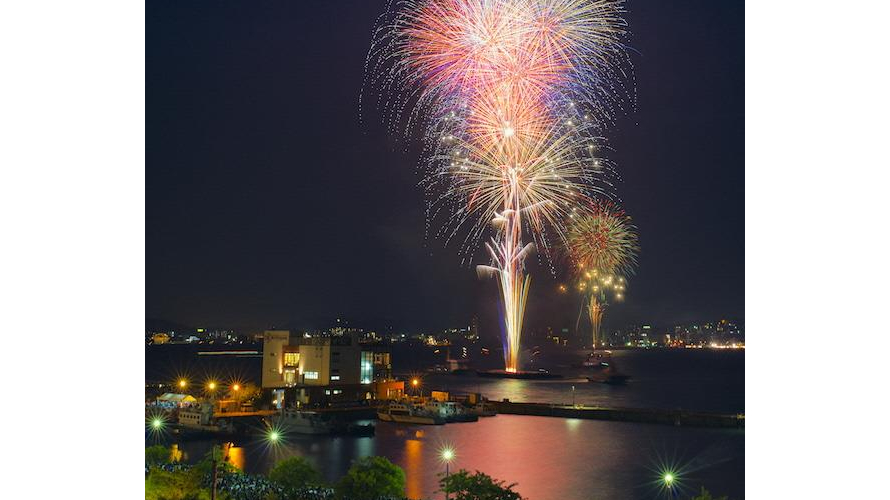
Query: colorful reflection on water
[548,457]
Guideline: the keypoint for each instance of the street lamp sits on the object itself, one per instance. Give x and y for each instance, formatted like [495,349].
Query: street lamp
[211,385]
[236,387]
[157,423]
[183,383]
[669,478]
[447,455]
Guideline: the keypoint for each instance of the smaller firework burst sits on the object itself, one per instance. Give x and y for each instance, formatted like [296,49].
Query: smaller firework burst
[603,246]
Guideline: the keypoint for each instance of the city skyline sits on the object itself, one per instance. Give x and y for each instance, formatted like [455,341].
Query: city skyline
[282,206]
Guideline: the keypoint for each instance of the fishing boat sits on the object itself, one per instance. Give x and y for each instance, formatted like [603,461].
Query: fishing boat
[408,413]
[450,411]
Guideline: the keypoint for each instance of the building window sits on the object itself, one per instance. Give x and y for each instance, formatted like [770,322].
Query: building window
[311,375]
[292,358]
[335,377]
[367,367]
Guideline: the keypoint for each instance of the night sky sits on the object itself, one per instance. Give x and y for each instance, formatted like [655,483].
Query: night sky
[270,203]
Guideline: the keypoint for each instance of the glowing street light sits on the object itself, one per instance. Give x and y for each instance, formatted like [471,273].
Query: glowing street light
[236,387]
[211,385]
[670,481]
[157,423]
[183,383]
[274,436]
[446,454]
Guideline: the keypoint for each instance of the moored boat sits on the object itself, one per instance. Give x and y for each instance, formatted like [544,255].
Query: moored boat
[408,413]
[450,411]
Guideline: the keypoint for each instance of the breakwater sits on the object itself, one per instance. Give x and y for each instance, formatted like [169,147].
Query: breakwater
[677,417]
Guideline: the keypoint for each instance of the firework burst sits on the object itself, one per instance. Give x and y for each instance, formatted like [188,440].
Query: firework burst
[603,246]
[498,85]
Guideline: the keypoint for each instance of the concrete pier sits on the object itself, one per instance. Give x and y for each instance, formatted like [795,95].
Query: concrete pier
[652,416]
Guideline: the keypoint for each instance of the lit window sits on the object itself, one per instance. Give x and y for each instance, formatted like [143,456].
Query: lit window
[367,367]
[335,377]
[292,358]
[311,375]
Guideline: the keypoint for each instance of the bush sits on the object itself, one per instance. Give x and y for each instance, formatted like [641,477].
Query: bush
[295,473]
[370,479]
[465,486]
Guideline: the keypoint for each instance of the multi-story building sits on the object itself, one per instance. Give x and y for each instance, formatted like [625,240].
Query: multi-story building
[338,364]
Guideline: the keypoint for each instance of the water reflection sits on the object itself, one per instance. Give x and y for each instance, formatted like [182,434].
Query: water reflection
[236,456]
[549,458]
[414,468]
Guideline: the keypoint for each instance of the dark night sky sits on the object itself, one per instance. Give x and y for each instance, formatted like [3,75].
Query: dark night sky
[270,203]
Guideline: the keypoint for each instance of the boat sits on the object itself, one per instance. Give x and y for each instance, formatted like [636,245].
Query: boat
[304,422]
[450,411]
[408,413]
[602,369]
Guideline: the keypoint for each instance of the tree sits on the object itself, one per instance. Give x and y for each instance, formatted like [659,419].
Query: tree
[706,495]
[295,473]
[157,455]
[465,486]
[371,478]
[174,485]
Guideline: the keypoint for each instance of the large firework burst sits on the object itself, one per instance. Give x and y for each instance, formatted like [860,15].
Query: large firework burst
[512,93]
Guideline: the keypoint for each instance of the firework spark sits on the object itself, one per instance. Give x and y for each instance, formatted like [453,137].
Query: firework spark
[512,93]
[603,246]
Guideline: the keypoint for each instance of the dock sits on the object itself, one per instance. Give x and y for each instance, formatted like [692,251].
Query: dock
[677,417]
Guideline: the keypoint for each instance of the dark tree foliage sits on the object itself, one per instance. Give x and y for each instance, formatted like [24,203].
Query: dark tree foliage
[479,486]
[372,478]
[295,473]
